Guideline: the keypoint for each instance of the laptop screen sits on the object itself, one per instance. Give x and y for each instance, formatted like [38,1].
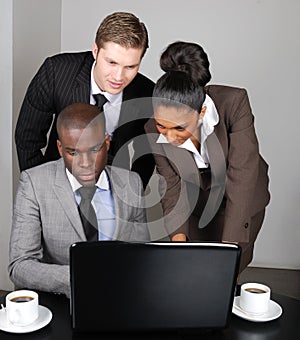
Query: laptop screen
[119,286]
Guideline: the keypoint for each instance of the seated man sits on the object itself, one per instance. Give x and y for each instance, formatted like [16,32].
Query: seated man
[47,215]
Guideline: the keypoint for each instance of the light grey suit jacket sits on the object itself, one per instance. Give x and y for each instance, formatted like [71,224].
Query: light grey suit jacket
[46,223]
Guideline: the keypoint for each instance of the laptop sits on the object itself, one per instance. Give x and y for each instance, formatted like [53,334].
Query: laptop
[120,286]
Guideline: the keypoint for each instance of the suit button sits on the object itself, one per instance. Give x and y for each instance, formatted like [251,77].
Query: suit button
[246,225]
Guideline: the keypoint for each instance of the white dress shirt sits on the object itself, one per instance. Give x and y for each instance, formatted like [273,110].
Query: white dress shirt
[102,202]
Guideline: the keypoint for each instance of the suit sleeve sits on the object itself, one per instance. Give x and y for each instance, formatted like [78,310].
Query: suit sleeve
[242,171]
[140,230]
[144,164]
[35,118]
[174,200]
[26,252]
[130,209]
[143,161]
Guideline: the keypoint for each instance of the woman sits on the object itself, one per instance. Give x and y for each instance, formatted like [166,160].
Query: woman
[214,181]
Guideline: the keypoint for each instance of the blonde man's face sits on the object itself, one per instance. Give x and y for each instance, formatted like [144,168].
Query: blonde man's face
[116,66]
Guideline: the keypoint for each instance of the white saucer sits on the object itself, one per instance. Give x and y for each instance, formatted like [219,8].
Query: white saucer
[273,312]
[44,318]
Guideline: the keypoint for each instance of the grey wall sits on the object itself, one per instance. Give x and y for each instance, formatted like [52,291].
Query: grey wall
[251,43]
[5,136]
[30,30]
[36,34]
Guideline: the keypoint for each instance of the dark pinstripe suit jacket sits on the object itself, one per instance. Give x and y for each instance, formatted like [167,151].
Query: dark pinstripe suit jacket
[64,79]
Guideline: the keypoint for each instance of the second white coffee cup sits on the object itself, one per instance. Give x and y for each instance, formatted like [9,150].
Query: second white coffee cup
[22,307]
[255,298]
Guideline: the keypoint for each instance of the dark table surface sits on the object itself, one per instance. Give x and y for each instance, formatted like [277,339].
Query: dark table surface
[283,328]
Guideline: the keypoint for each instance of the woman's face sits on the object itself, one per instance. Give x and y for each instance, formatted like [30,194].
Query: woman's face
[176,124]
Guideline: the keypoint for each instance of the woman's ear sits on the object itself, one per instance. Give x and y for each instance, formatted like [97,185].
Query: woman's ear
[107,141]
[202,112]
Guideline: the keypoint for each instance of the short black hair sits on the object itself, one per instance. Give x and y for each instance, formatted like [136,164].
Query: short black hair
[79,116]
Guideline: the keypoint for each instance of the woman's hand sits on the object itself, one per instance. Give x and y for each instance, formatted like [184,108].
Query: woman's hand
[179,238]
[233,242]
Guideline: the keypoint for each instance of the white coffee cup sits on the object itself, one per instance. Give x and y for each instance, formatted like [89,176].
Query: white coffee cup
[22,307]
[255,298]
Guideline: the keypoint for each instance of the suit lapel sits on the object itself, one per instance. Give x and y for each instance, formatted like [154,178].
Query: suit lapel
[65,196]
[217,160]
[186,165]
[121,203]
[82,85]
[183,161]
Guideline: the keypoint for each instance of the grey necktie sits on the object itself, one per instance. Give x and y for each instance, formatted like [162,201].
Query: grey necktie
[87,213]
[100,100]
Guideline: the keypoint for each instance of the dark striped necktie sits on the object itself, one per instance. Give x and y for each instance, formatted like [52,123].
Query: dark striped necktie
[100,100]
[87,213]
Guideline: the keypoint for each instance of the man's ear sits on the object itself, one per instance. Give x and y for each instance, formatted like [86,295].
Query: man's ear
[95,50]
[59,146]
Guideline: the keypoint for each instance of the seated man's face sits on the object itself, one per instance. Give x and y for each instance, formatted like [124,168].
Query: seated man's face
[84,152]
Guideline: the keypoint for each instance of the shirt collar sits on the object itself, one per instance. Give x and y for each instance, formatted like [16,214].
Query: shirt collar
[113,99]
[211,117]
[188,144]
[102,183]
[201,161]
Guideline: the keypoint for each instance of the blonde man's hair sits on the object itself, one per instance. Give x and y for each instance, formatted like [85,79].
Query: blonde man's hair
[124,29]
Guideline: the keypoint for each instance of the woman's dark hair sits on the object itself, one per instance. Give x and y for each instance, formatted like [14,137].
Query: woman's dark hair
[177,89]
[187,57]
[187,72]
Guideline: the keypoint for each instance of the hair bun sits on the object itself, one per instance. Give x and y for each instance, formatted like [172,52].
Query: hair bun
[172,64]
[175,59]
[189,58]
